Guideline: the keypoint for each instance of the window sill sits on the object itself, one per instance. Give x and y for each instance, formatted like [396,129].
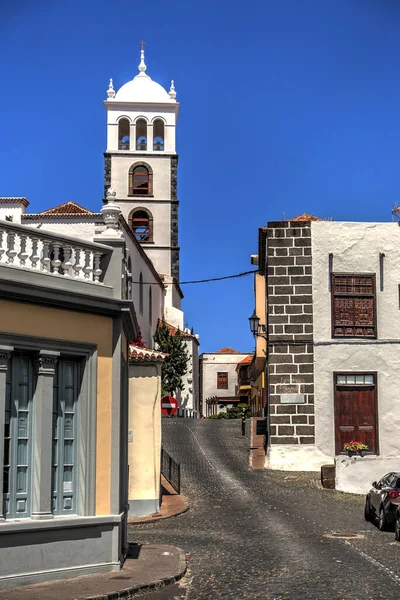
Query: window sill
[140,196]
[19,525]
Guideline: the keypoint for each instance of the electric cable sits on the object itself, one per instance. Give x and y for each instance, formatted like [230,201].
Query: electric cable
[236,275]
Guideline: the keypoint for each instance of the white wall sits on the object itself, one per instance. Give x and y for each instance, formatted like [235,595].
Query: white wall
[133,111]
[355,248]
[86,231]
[211,364]
[161,175]
[140,266]
[189,396]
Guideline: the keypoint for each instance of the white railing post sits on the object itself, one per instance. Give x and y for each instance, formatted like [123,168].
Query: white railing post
[34,257]
[11,252]
[23,254]
[46,256]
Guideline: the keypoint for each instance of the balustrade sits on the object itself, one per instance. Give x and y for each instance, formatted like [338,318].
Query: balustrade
[35,250]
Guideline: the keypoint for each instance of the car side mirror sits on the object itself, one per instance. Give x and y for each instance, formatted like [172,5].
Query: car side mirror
[375,485]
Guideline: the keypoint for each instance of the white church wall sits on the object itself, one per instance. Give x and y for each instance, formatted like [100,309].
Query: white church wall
[161,179]
[81,229]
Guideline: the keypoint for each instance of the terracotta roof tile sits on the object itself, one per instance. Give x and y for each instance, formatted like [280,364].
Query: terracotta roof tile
[138,354]
[246,360]
[306,217]
[227,351]
[68,208]
[173,330]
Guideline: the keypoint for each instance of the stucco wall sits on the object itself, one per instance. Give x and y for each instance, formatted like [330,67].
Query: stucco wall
[18,318]
[11,209]
[189,396]
[355,248]
[144,440]
[161,218]
[161,179]
[211,364]
[76,228]
[133,111]
[157,293]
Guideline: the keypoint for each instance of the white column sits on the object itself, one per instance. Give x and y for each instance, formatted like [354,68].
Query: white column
[43,434]
[5,353]
[132,134]
[150,137]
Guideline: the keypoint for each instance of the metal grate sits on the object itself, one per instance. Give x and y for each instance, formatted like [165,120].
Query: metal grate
[171,470]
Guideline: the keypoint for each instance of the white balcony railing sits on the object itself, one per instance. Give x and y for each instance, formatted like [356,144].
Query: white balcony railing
[43,251]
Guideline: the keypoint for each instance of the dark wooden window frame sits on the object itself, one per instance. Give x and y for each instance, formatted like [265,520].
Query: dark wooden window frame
[350,295]
[360,385]
[131,222]
[131,190]
[222,380]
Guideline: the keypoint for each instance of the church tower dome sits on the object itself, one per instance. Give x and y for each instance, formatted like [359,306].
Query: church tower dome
[141,164]
[142,88]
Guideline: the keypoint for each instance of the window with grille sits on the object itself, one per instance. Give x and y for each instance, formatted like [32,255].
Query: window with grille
[17,437]
[353,306]
[222,381]
[141,226]
[140,181]
[64,437]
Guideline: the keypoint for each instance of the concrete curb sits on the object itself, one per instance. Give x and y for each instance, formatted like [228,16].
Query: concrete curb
[152,585]
[140,520]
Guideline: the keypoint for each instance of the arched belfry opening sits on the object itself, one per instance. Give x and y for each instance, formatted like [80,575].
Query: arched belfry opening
[141,134]
[158,135]
[140,180]
[141,224]
[123,134]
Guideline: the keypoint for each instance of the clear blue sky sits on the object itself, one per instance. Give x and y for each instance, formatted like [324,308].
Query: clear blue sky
[286,106]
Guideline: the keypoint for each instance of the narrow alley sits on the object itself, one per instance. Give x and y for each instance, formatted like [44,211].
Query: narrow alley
[264,534]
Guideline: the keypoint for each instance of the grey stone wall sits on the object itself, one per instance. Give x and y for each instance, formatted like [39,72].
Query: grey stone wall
[174,218]
[174,177]
[290,332]
[107,172]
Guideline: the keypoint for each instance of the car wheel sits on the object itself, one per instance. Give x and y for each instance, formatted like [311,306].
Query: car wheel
[397,527]
[382,522]
[367,510]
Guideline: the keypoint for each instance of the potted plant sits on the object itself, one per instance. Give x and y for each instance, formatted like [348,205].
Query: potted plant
[354,447]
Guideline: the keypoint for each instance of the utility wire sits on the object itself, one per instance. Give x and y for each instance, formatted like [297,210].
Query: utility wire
[203,280]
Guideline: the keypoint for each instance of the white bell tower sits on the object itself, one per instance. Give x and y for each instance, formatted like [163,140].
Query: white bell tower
[141,164]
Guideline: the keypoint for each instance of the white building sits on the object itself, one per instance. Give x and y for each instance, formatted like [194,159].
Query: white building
[333,343]
[141,168]
[218,380]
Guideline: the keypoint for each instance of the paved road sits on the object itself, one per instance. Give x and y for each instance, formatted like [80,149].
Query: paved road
[265,534]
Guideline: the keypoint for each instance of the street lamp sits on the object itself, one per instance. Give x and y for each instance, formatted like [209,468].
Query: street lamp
[254,323]
[255,327]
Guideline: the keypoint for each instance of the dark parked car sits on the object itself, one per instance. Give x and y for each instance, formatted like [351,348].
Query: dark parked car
[383,501]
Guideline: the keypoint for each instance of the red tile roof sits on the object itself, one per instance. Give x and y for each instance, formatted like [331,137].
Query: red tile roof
[68,208]
[227,351]
[138,354]
[246,361]
[305,217]
[173,330]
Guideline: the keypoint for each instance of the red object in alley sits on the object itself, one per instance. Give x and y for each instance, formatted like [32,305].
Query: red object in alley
[169,405]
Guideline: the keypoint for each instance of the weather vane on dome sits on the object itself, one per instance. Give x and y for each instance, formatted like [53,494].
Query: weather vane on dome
[142,43]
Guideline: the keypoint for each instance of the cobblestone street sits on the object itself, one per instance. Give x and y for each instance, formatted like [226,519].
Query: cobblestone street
[264,534]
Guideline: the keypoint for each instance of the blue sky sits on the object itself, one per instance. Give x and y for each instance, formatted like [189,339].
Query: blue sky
[286,106]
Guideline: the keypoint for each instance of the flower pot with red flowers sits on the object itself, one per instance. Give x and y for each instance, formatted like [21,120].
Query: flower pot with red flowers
[355,448]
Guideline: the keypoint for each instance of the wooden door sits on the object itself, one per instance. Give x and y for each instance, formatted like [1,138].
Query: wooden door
[355,416]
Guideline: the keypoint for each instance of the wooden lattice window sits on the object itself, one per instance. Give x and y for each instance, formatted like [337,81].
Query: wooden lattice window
[222,381]
[141,226]
[353,306]
[140,181]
